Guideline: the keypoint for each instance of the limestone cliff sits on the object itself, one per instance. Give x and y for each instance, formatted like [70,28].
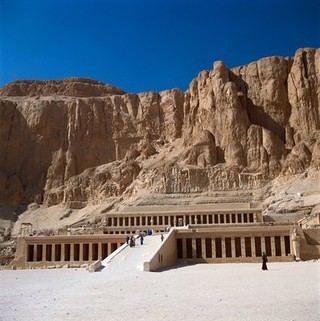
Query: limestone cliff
[80,142]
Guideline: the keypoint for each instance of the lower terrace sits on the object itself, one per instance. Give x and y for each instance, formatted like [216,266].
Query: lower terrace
[195,236]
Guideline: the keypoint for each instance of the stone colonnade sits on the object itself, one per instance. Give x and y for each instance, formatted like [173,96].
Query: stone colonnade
[232,247]
[69,249]
[151,220]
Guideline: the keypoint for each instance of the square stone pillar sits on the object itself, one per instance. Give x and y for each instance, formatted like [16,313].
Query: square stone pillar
[109,248]
[53,252]
[243,247]
[44,252]
[263,244]
[203,248]
[253,247]
[62,254]
[184,248]
[283,246]
[112,221]
[81,252]
[26,250]
[233,247]
[184,220]
[35,252]
[194,249]
[90,252]
[99,251]
[72,252]
[223,247]
[273,246]
[213,248]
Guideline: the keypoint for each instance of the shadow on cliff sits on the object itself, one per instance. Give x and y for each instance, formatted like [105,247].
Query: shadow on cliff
[23,178]
[258,116]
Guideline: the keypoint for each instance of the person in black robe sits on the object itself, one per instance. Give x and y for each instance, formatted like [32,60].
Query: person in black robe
[264,261]
[132,243]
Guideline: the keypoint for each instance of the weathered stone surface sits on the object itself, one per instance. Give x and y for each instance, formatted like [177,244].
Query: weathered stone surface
[315,159]
[80,142]
[298,160]
[213,104]
[264,83]
[94,185]
[73,87]
[304,93]
[203,152]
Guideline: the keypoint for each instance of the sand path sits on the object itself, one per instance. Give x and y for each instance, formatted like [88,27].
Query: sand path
[206,292]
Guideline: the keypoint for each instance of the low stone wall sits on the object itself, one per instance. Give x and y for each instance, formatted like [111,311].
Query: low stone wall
[310,244]
[312,236]
[165,255]
[94,266]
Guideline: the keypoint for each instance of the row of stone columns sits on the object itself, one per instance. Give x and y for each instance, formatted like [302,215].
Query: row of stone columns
[65,252]
[179,220]
[282,248]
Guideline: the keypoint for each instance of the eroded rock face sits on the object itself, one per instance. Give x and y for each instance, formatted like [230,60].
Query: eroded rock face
[216,104]
[73,87]
[304,94]
[79,141]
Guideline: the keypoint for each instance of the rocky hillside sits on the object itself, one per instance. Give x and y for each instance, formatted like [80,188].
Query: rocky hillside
[81,143]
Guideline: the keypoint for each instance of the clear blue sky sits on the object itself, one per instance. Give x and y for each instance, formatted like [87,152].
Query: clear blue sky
[143,45]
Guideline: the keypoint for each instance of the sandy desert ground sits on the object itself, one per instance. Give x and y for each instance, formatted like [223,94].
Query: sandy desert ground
[287,292]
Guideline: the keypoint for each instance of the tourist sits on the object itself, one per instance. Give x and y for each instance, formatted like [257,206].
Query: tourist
[132,242]
[162,237]
[141,239]
[127,239]
[264,261]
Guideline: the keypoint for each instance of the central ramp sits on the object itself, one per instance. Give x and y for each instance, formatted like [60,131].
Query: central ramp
[128,259]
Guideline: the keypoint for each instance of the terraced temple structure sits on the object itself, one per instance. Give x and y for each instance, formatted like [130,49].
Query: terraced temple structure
[213,236]
[216,164]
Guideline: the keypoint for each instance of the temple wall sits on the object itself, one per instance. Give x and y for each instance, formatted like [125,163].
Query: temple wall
[195,237]
[165,255]
[64,251]
[310,244]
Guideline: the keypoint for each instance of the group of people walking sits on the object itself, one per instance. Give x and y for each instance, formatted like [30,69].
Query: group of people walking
[132,242]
